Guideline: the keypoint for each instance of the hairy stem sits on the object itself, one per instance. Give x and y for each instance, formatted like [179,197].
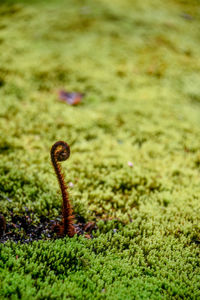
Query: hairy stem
[60,151]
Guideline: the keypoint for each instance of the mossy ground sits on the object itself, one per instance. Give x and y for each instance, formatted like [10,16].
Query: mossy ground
[138,63]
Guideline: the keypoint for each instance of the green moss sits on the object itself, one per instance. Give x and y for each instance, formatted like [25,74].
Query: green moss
[138,64]
[122,264]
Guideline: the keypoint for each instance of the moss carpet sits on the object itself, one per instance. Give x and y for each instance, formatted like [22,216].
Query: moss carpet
[135,146]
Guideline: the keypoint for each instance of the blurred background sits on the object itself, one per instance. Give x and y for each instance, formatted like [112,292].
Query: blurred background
[132,69]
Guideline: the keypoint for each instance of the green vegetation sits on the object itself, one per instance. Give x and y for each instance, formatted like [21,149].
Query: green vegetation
[138,63]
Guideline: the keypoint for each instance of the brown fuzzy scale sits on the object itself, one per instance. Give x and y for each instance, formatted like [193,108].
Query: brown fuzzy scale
[60,151]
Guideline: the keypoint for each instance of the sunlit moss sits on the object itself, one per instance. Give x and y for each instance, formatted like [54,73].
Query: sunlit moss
[138,64]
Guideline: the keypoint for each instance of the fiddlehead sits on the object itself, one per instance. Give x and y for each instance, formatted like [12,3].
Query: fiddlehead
[60,151]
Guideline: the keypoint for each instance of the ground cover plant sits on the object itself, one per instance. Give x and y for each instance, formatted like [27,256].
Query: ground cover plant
[134,168]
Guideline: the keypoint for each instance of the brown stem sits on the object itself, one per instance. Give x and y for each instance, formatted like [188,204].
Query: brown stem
[60,151]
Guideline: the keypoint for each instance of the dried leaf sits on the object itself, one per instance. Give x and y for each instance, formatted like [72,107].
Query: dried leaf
[72,98]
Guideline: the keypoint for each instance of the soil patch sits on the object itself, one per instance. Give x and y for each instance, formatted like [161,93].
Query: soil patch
[23,228]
